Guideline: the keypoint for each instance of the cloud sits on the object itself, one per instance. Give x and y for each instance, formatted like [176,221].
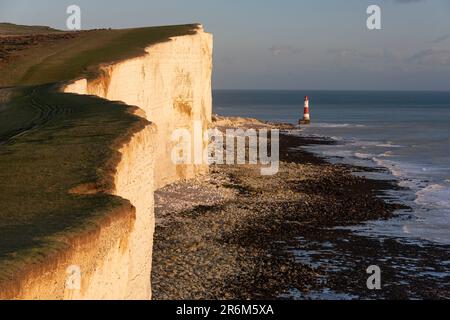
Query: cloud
[428,57]
[443,38]
[408,1]
[380,54]
[431,57]
[284,49]
[345,53]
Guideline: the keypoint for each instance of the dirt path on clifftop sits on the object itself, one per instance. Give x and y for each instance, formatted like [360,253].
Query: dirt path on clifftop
[239,235]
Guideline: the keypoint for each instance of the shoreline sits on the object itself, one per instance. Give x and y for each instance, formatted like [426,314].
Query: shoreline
[274,237]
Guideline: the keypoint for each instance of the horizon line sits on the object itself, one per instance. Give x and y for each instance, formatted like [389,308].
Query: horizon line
[339,90]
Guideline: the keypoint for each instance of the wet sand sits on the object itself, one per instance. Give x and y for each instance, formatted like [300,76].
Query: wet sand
[238,235]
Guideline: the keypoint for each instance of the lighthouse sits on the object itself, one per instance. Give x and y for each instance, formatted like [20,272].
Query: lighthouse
[306,118]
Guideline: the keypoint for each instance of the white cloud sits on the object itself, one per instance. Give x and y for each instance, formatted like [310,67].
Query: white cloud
[431,57]
[277,50]
[442,38]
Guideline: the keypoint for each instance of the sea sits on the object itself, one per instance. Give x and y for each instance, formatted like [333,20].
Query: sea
[406,134]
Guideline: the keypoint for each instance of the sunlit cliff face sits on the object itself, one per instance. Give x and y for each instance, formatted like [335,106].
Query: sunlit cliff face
[171,86]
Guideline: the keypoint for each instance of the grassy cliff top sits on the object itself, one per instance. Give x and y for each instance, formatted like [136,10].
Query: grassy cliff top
[16,29]
[52,142]
[42,55]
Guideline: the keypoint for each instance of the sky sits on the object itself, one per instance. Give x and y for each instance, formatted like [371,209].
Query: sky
[287,44]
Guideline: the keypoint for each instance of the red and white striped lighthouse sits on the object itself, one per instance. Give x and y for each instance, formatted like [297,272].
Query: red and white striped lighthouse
[306,117]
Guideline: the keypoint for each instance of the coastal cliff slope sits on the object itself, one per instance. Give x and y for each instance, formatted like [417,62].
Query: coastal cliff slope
[79,170]
[175,74]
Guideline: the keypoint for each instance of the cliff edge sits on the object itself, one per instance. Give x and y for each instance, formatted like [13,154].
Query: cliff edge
[81,167]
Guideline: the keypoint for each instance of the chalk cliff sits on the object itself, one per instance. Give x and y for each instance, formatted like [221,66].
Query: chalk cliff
[171,84]
[171,87]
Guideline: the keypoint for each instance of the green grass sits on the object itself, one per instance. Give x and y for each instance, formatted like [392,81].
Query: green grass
[15,29]
[51,142]
[66,59]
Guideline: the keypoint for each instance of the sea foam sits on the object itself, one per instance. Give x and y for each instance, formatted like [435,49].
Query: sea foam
[435,196]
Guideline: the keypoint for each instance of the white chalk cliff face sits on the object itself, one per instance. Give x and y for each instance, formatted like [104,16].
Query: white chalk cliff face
[171,84]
